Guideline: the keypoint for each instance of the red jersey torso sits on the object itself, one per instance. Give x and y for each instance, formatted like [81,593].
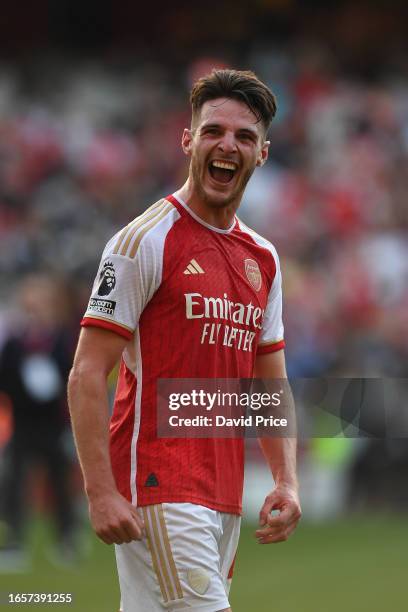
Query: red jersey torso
[210,301]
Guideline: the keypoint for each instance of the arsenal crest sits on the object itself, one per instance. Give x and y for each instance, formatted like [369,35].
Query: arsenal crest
[253,273]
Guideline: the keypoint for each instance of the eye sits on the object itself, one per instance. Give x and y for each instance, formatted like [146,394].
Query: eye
[247,137]
[211,131]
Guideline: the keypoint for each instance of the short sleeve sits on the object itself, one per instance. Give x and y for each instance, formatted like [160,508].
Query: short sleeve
[122,288]
[271,338]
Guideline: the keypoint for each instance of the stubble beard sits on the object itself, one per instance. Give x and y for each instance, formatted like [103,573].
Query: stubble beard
[223,202]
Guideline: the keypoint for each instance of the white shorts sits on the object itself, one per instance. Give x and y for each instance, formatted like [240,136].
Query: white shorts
[184,562]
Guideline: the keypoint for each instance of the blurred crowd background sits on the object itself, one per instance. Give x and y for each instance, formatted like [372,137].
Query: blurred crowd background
[93,100]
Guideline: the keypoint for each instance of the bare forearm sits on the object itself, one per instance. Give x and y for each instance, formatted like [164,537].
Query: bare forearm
[113,518]
[280,451]
[88,405]
[280,454]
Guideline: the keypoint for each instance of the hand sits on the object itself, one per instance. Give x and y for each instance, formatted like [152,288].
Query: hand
[278,528]
[114,519]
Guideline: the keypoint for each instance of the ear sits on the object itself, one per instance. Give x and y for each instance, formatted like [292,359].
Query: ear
[263,153]
[187,141]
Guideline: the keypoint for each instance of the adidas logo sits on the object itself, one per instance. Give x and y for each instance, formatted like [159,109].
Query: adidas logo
[194,268]
[151,481]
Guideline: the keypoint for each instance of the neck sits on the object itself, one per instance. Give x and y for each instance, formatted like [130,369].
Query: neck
[220,217]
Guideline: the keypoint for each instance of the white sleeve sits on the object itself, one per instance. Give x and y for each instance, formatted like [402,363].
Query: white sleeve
[271,338]
[123,286]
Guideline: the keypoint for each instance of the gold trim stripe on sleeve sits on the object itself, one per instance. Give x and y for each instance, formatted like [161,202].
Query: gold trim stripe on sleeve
[153,554]
[137,225]
[164,211]
[169,552]
[160,551]
[137,221]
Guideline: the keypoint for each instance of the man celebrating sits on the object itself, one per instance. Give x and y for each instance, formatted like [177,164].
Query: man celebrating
[172,506]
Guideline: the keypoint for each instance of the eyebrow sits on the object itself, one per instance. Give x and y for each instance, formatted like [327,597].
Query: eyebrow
[210,125]
[253,132]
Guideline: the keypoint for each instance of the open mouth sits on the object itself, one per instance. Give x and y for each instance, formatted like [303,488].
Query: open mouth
[222,171]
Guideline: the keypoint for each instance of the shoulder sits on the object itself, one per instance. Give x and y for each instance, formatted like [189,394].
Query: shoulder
[262,242]
[147,231]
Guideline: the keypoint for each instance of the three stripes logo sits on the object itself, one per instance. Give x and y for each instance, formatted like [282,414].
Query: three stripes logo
[194,268]
[162,555]
[151,481]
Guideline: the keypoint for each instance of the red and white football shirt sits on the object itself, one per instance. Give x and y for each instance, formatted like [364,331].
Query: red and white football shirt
[194,301]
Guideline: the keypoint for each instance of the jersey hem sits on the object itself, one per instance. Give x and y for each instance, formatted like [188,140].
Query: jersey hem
[105,324]
[271,347]
[190,499]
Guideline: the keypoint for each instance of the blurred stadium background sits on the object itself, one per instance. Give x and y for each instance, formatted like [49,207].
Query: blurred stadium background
[93,99]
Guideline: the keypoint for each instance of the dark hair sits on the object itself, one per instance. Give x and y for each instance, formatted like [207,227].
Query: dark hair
[241,85]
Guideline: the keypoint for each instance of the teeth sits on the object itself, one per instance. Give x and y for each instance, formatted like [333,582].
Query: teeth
[224,165]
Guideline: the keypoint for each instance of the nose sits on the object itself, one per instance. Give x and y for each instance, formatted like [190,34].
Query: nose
[227,143]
